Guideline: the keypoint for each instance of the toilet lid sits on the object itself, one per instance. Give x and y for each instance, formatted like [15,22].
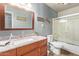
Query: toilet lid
[57,44]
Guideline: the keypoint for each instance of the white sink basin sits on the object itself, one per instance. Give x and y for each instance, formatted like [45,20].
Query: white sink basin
[20,41]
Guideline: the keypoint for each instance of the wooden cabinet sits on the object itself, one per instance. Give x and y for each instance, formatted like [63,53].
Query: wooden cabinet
[2,17]
[35,49]
[26,49]
[43,51]
[33,53]
[43,47]
[9,53]
[42,43]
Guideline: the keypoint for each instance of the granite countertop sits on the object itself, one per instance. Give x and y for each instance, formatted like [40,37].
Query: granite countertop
[21,42]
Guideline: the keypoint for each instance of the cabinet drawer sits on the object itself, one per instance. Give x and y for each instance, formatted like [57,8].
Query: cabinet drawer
[9,53]
[33,53]
[25,49]
[42,43]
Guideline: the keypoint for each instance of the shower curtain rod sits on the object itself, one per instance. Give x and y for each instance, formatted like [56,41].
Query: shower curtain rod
[67,15]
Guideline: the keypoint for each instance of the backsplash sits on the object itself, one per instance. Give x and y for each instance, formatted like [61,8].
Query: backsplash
[15,32]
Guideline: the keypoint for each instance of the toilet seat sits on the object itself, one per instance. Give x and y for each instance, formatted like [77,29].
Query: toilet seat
[56,44]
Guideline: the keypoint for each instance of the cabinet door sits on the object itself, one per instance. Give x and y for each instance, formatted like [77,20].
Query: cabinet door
[43,51]
[9,53]
[33,53]
[42,43]
[25,49]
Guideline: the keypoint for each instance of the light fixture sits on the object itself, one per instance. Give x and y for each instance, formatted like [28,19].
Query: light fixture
[13,4]
[16,4]
[29,5]
[62,3]
[62,20]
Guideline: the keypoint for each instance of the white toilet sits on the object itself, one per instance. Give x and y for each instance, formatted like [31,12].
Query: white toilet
[54,46]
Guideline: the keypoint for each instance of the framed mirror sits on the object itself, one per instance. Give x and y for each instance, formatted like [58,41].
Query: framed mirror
[18,18]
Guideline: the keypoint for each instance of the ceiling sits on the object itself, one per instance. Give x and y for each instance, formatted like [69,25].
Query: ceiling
[61,6]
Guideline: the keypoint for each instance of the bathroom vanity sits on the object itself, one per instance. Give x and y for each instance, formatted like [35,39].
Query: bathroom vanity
[34,48]
[13,17]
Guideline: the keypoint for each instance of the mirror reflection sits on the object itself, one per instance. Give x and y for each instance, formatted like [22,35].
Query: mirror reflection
[18,18]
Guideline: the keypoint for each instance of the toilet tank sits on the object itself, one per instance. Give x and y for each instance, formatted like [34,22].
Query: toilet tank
[50,38]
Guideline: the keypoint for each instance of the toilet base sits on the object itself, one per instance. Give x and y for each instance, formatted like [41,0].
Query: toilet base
[56,51]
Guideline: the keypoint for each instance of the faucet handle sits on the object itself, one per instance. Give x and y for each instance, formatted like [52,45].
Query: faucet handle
[11,36]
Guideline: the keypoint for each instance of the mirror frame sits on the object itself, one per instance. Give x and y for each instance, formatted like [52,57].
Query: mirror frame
[32,28]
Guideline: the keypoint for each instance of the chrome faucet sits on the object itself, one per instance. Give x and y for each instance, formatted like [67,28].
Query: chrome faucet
[36,33]
[11,36]
[22,33]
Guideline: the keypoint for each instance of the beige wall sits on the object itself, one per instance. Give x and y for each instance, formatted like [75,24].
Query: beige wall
[69,11]
[67,31]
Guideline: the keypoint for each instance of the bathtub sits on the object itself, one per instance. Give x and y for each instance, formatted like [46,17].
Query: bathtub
[66,46]
[71,48]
